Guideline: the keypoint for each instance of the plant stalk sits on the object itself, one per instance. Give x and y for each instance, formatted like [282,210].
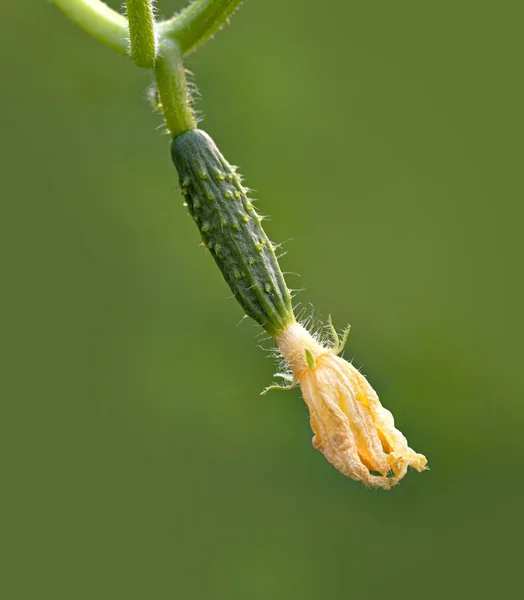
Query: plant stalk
[172,89]
[142,34]
[198,22]
[100,21]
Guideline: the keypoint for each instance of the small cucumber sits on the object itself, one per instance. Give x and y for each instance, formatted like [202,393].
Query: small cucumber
[232,230]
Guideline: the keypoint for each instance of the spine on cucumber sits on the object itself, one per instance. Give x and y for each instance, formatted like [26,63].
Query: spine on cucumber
[232,230]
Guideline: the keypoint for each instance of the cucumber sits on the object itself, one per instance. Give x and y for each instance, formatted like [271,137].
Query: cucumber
[232,231]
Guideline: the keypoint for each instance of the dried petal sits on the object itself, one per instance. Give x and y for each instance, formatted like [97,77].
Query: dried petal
[352,429]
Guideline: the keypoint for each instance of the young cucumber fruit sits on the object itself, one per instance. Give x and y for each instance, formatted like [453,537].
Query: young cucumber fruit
[232,230]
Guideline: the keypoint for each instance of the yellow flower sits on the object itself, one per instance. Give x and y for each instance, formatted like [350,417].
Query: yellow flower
[352,429]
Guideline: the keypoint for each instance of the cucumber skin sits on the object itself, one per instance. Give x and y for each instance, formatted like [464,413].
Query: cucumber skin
[232,230]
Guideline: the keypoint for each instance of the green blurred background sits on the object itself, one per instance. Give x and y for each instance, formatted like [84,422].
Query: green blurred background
[385,139]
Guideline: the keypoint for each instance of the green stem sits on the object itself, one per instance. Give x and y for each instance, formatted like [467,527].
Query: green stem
[142,35]
[173,90]
[198,22]
[100,21]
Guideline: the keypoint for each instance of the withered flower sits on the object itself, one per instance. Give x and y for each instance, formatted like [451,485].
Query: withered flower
[352,429]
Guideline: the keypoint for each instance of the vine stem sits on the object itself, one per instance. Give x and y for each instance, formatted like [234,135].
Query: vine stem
[142,34]
[159,46]
[96,18]
[190,28]
[195,24]
[172,89]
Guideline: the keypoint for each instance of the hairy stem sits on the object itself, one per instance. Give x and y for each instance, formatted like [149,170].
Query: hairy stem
[173,90]
[100,21]
[198,22]
[142,35]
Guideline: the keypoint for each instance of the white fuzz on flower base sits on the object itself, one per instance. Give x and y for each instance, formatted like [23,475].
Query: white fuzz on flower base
[352,429]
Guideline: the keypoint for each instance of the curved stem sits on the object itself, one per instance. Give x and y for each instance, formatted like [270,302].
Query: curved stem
[100,21]
[173,90]
[198,22]
[142,35]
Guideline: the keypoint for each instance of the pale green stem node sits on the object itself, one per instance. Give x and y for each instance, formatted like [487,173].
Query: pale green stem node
[190,28]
